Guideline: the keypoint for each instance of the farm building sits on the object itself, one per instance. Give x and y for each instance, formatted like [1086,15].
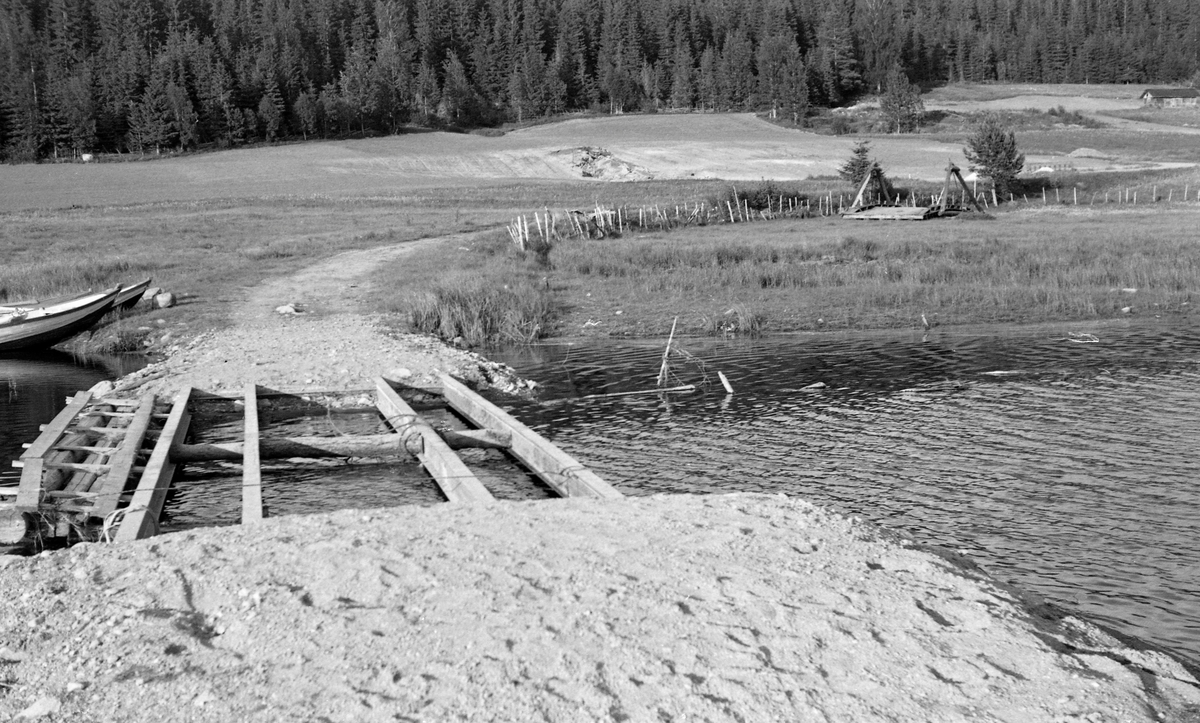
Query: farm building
[1171,97]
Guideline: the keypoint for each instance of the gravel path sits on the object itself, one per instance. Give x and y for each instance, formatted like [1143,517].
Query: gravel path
[327,344]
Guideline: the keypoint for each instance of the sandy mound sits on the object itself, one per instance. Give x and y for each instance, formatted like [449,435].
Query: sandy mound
[720,608]
[601,164]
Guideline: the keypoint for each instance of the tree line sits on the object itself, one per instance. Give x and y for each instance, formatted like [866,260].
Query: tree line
[80,76]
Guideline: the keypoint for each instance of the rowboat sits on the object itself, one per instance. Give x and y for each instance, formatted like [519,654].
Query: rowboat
[127,299]
[44,325]
[131,295]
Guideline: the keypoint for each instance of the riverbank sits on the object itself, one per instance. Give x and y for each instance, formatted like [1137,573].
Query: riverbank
[723,608]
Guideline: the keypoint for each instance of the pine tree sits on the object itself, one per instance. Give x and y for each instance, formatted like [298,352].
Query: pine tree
[992,151]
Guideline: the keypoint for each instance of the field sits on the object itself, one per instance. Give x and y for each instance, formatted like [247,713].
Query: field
[210,226]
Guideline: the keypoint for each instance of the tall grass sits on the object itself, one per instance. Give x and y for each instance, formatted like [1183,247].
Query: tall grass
[58,275]
[1028,266]
[479,312]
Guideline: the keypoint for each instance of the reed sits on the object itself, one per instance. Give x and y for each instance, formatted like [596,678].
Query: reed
[478,311]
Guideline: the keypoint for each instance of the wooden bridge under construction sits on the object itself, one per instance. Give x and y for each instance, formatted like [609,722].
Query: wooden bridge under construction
[102,468]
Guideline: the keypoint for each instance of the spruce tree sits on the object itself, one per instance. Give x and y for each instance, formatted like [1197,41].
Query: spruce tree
[856,168]
[900,102]
[992,152]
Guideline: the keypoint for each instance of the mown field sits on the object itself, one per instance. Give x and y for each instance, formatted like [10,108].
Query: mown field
[210,226]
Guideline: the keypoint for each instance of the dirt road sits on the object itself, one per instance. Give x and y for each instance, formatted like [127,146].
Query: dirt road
[308,332]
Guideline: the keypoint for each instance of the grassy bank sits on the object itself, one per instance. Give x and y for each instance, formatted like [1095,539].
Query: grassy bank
[1033,264]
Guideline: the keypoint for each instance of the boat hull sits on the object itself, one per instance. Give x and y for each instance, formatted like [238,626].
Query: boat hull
[131,295]
[47,329]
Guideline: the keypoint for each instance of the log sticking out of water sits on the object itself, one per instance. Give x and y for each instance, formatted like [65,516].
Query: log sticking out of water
[369,445]
[15,526]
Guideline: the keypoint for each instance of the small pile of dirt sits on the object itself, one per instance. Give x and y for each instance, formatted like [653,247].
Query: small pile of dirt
[1087,153]
[602,164]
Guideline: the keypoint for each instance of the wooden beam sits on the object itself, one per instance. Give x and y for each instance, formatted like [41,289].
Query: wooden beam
[56,427]
[141,520]
[113,483]
[455,479]
[555,467]
[29,492]
[252,510]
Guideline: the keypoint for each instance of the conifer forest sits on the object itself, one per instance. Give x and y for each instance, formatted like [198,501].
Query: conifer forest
[83,76]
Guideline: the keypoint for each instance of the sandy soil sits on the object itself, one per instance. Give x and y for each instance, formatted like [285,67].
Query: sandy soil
[722,608]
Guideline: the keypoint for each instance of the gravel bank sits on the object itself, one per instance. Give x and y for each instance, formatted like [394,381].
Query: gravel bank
[681,608]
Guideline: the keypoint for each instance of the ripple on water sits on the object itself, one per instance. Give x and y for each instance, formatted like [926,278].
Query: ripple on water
[1071,473]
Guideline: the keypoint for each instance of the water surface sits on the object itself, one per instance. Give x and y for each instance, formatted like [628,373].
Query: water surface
[1065,466]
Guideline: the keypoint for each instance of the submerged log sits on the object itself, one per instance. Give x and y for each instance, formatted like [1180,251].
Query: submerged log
[359,445]
[373,445]
[15,526]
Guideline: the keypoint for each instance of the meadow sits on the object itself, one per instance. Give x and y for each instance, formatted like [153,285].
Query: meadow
[211,226]
[1030,265]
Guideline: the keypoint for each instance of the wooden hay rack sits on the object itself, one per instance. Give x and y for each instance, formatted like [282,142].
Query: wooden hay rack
[882,206]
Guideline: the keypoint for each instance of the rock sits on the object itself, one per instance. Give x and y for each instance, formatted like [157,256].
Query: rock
[164,300]
[286,310]
[815,385]
[460,342]
[99,389]
[400,373]
[151,292]
[1129,290]
[1126,309]
[42,707]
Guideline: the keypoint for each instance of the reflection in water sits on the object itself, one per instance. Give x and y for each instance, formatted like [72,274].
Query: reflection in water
[35,386]
[1067,468]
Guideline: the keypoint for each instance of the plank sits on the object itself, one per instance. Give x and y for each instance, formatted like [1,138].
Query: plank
[102,451]
[141,519]
[84,467]
[112,483]
[455,479]
[555,467]
[29,492]
[56,427]
[252,510]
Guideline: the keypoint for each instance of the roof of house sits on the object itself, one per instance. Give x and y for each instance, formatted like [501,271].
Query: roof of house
[1171,93]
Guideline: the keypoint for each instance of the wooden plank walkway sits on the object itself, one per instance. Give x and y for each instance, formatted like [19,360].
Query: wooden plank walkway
[555,467]
[29,493]
[457,482]
[112,483]
[252,509]
[78,472]
[141,519]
